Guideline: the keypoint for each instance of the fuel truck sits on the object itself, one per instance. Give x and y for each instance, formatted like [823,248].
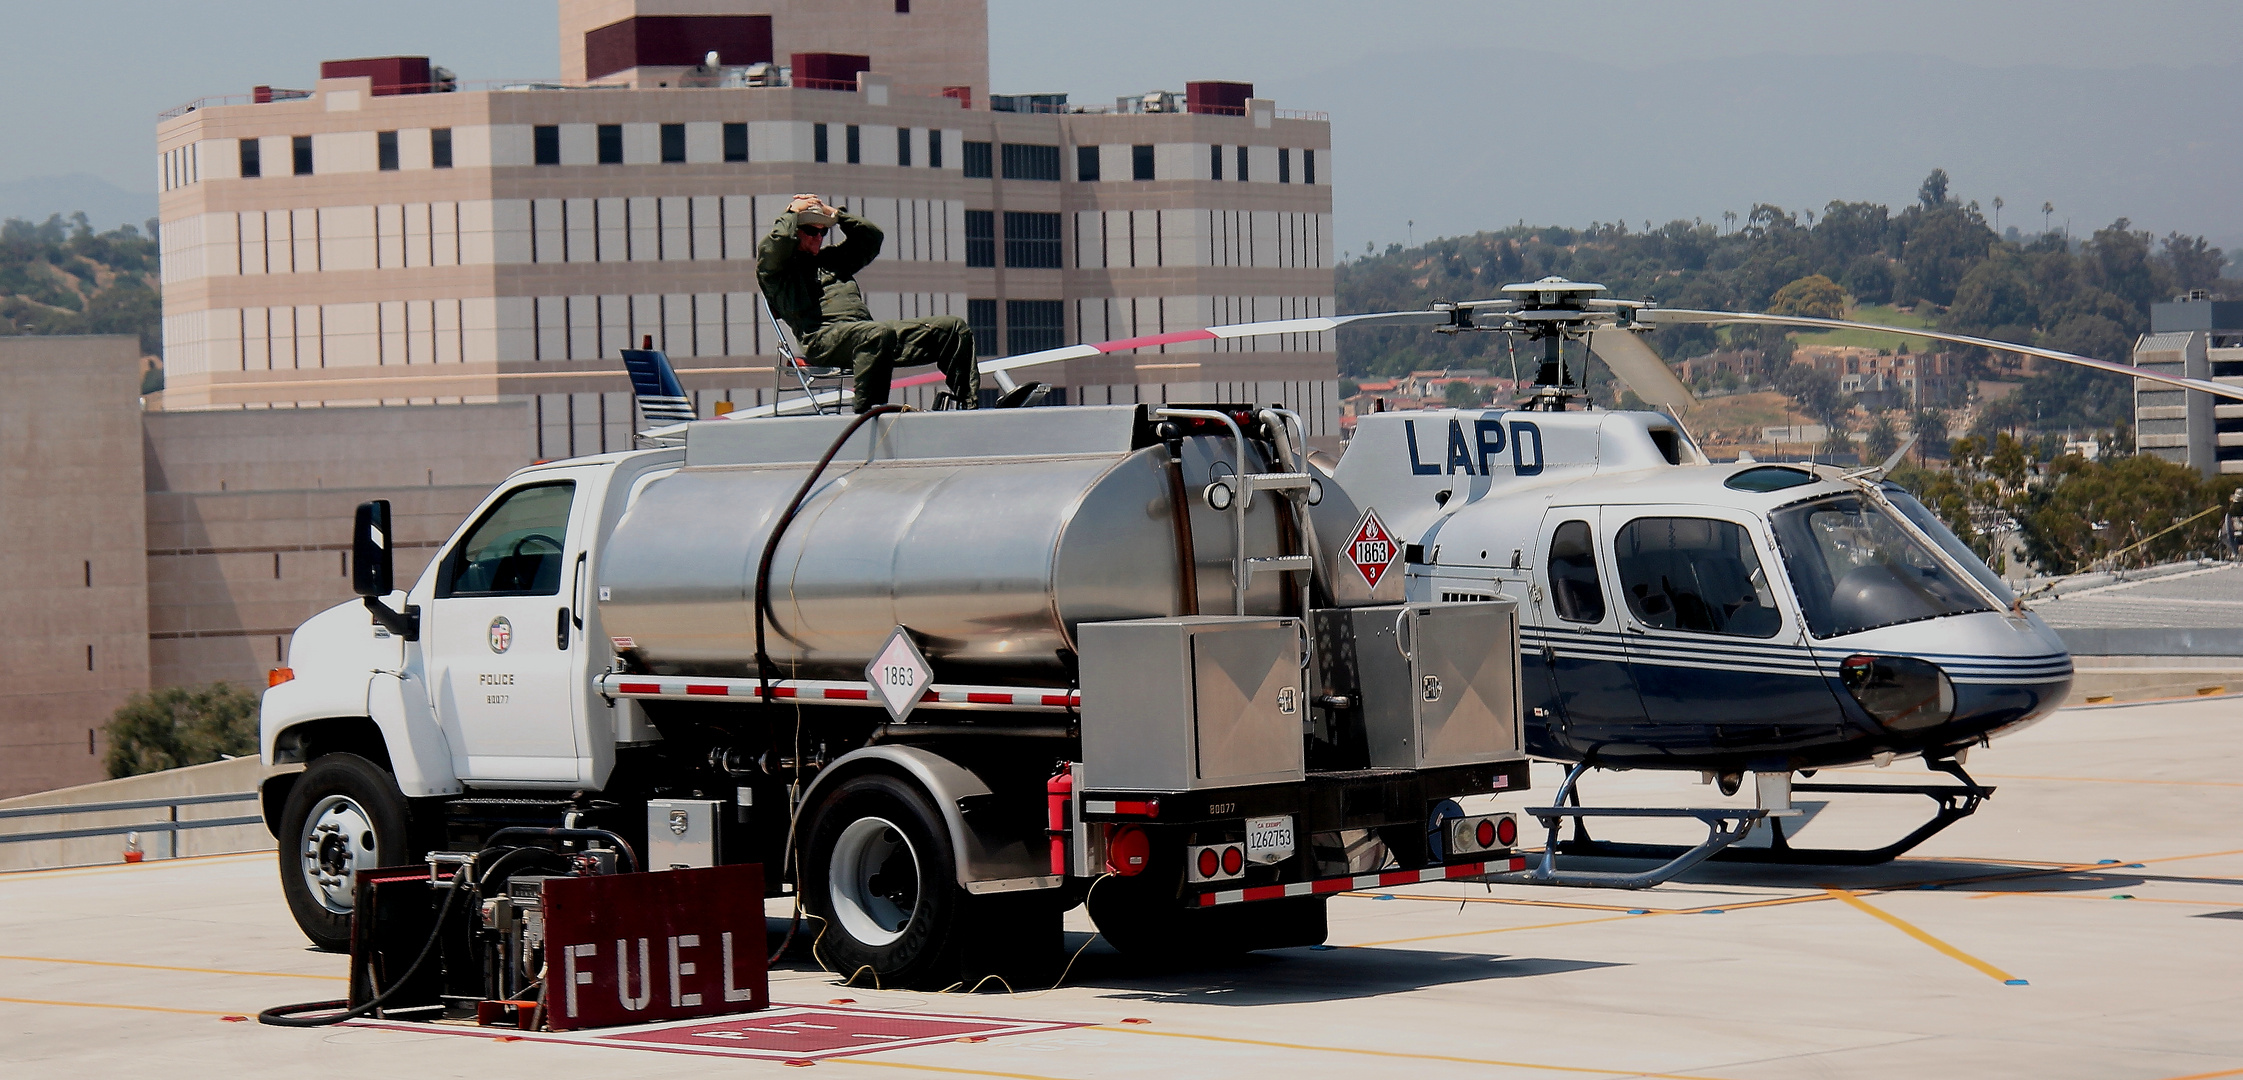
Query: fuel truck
[944,675]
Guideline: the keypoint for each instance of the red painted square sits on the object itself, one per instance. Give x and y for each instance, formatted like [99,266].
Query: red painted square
[816,1032]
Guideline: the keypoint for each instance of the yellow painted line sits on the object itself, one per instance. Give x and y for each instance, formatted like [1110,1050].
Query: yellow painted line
[2210,1075]
[1488,900]
[1491,930]
[1909,929]
[113,1005]
[1401,1054]
[168,967]
[2105,897]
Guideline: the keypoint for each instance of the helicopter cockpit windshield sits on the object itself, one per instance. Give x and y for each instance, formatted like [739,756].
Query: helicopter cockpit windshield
[1855,569]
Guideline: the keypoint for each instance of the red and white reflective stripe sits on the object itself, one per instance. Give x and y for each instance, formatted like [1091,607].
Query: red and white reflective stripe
[1013,698]
[1383,880]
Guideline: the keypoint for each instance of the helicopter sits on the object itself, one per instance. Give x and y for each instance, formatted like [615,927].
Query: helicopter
[1678,613]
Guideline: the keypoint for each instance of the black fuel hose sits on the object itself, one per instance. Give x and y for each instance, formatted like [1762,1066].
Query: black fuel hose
[779,529]
[286,1015]
[537,833]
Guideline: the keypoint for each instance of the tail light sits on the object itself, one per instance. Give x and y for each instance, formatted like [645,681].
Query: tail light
[1900,692]
[1475,835]
[279,675]
[1218,862]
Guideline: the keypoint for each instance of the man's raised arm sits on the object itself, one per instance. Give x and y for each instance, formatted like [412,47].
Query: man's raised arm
[858,251]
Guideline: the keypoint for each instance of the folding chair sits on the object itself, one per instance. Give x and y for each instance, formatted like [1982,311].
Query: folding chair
[810,380]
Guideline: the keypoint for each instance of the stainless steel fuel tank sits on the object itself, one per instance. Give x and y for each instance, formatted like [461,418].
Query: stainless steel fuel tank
[991,535]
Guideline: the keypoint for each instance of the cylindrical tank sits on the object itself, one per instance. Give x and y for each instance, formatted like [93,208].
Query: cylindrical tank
[990,561]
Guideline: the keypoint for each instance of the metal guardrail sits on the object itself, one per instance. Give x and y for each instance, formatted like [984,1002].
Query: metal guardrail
[172,825]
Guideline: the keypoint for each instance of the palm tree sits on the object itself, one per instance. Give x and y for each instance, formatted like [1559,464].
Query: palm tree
[1997,215]
[1729,217]
[2047,208]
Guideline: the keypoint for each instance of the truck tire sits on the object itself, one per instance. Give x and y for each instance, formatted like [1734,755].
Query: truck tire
[345,815]
[878,870]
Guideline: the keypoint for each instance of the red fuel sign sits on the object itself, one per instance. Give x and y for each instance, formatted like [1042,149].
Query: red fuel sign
[1372,549]
[667,945]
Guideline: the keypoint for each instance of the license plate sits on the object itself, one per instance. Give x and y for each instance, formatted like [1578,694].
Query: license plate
[1269,840]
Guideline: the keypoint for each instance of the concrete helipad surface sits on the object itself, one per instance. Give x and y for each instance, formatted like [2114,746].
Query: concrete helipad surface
[2087,923]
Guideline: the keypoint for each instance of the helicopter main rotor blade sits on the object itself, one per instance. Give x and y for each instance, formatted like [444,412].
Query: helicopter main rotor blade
[1314,325]
[1658,316]
[1641,369]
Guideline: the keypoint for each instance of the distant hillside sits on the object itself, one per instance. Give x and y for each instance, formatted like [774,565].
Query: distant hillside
[62,277]
[105,205]
[1936,258]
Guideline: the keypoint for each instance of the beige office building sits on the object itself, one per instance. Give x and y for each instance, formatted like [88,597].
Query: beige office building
[359,245]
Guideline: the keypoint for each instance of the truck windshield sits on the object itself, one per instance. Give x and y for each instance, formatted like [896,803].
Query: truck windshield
[1855,569]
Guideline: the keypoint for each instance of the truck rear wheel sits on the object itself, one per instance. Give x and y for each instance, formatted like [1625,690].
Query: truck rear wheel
[878,869]
[343,817]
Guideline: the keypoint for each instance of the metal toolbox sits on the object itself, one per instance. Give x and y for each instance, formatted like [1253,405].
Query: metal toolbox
[683,833]
[1181,704]
[1431,684]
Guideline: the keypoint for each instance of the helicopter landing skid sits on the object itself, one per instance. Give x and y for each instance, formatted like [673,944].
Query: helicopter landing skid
[1955,802]
[1724,826]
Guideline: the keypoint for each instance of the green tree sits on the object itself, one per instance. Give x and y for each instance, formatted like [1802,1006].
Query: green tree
[181,725]
[1813,296]
[1932,193]
[1463,395]
[1930,426]
[1815,390]
[1883,438]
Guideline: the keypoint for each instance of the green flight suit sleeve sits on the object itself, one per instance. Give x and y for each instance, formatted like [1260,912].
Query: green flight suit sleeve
[855,253]
[777,249]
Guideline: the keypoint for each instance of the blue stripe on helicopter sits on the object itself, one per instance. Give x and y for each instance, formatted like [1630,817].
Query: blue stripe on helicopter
[1779,659]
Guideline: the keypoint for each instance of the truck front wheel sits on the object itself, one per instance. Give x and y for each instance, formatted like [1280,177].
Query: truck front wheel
[344,816]
[878,870]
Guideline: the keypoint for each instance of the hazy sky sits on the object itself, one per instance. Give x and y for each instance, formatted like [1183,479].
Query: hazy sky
[1458,115]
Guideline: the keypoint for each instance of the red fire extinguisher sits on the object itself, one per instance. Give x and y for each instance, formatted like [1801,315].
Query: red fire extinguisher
[1059,801]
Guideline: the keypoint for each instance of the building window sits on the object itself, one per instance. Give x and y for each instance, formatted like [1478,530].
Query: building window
[903,147]
[818,150]
[977,161]
[981,317]
[302,145]
[981,238]
[673,144]
[903,7]
[1141,162]
[1284,165]
[1031,240]
[385,151]
[252,163]
[1086,164]
[545,142]
[440,148]
[934,148]
[735,142]
[1308,166]
[856,150]
[1214,162]
[1034,325]
[1242,164]
[1027,161]
[611,144]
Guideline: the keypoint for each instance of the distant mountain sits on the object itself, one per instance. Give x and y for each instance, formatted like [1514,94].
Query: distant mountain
[105,204]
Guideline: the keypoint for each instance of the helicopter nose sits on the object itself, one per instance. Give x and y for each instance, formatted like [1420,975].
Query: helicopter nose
[1902,693]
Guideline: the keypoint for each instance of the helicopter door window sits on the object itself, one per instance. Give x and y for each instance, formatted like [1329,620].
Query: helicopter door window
[1855,570]
[1574,588]
[516,549]
[1695,574]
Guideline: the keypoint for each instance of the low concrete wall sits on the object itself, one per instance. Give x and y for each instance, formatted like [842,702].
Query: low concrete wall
[216,778]
[2226,641]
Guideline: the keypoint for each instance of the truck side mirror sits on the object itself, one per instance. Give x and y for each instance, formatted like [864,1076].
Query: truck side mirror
[372,571]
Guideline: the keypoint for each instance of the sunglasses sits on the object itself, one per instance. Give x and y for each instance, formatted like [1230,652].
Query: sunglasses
[814,230]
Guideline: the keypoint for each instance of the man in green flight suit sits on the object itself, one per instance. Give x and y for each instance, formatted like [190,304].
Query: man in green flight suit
[814,288]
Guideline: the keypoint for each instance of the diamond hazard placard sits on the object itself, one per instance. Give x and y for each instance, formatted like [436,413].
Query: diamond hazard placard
[900,674]
[1372,549]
